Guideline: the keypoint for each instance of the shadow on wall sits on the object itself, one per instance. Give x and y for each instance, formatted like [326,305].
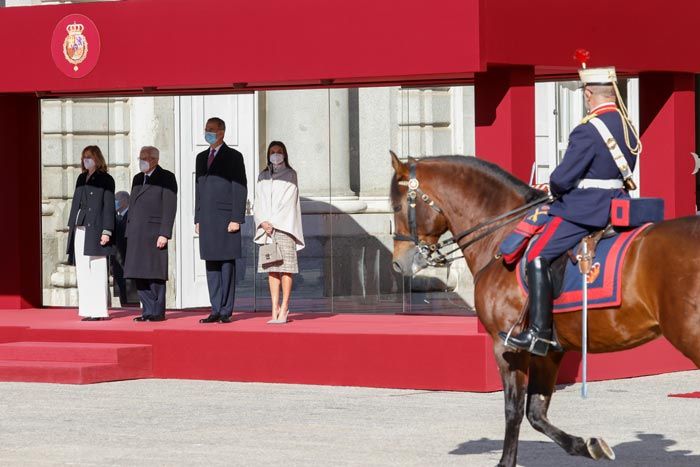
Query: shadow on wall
[346,266]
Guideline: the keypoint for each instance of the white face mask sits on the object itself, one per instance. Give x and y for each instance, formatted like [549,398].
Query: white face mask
[276,158]
[144,166]
[89,164]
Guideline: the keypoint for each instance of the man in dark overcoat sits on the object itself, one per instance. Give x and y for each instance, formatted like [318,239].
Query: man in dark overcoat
[220,200]
[153,204]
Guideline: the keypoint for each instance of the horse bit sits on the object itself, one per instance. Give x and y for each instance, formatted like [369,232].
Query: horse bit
[431,253]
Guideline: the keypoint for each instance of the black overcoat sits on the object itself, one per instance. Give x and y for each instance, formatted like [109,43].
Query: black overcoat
[220,198]
[152,209]
[93,208]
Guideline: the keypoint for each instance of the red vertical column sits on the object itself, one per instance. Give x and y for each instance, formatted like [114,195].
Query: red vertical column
[20,198]
[504,106]
[667,129]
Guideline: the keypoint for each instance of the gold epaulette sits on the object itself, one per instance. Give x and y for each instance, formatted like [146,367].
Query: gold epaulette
[588,118]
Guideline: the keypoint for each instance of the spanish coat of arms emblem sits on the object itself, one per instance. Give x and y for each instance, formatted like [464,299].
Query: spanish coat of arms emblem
[75,45]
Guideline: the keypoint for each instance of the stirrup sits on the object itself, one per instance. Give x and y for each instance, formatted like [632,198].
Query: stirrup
[539,346]
[555,345]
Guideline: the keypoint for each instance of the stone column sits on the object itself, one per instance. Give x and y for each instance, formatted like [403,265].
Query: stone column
[313,124]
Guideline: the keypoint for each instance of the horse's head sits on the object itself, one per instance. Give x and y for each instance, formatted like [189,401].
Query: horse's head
[418,221]
[464,194]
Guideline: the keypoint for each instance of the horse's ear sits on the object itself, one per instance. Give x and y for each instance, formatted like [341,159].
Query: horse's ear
[399,167]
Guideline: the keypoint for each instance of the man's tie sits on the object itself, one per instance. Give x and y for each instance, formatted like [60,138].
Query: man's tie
[145,179]
[210,159]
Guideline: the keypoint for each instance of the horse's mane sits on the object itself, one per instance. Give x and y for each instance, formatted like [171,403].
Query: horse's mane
[494,171]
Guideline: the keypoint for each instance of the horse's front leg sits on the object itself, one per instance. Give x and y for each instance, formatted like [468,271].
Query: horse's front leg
[513,368]
[543,375]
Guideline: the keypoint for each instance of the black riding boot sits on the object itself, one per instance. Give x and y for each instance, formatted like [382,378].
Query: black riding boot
[538,336]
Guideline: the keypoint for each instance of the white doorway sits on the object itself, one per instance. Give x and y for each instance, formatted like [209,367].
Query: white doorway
[239,111]
[558,109]
[545,132]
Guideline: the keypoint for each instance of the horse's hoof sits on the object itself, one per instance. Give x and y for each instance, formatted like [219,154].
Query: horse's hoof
[599,449]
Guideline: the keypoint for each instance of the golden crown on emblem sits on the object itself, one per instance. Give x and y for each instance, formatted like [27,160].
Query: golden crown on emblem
[75,29]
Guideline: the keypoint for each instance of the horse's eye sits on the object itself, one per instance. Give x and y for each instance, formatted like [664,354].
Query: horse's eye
[397,208]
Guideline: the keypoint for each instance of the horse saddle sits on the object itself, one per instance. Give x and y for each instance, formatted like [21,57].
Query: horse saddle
[601,260]
[603,273]
[624,213]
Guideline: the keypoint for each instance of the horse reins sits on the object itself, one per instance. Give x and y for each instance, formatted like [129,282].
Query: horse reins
[431,252]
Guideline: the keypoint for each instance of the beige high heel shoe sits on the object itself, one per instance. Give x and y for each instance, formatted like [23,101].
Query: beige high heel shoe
[283,316]
[274,320]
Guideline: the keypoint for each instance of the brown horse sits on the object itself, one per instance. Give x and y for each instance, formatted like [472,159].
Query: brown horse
[660,291]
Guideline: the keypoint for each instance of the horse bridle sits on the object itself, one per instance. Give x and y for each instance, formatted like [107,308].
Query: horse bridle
[431,253]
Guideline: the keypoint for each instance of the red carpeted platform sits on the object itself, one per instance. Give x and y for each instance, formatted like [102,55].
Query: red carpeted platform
[73,362]
[395,351]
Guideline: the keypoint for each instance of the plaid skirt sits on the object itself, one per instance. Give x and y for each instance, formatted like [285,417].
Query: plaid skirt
[288,248]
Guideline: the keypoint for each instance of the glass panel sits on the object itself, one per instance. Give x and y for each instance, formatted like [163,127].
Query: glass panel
[361,136]
[68,125]
[338,142]
[119,127]
[300,119]
[432,122]
[365,124]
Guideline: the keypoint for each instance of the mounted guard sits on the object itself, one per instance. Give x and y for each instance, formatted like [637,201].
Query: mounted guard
[596,169]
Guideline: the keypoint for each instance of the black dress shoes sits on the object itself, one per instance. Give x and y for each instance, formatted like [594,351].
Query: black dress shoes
[210,319]
[149,318]
[225,319]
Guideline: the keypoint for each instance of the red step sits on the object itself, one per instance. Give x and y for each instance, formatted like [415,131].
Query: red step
[73,362]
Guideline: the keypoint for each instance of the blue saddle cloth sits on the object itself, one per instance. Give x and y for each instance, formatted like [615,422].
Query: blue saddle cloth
[604,279]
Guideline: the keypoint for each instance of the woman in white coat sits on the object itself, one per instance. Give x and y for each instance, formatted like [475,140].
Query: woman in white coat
[278,219]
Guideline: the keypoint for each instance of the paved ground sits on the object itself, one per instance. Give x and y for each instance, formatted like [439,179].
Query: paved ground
[174,422]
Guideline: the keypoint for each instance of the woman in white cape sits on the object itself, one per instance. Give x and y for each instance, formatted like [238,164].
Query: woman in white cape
[278,219]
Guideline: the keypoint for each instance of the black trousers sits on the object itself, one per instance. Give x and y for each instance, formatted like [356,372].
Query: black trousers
[222,288]
[125,289]
[152,296]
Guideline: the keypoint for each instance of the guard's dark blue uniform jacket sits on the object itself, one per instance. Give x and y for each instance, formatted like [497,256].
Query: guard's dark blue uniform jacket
[587,156]
[580,211]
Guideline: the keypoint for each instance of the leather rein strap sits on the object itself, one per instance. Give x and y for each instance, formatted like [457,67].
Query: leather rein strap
[431,252]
